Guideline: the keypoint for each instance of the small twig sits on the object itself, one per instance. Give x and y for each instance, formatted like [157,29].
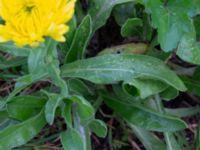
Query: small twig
[134,144]
[105,115]
[192,127]
[96,139]
[6,88]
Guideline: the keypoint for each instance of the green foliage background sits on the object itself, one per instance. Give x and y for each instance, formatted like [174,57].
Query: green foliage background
[140,78]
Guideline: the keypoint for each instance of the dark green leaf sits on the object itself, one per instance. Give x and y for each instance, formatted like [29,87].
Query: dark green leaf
[79,87]
[100,11]
[80,40]
[197,26]
[144,117]
[4,64]
[149,140]
[24,107]
[193,82]
[123,12]
[172,144]
[197,144]
[3,116]
[69,36]
[99,128]
[169,94]
[132,27]
[25,81]
[4,120]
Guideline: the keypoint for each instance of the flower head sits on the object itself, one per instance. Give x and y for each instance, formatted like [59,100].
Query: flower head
[28,22]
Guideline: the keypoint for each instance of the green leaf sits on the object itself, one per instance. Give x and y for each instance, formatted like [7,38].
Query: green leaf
[52,65]
[123,12]
[193,82]
[171,20]
[25,81]
[80,12]
[36,63]
[3,116]
[99,128]
[193,7]
[83,114]
[51,106]
[42,56]
[54,73]
[4,120]
[146,88]
[79,87]
[169,94]
[150,141]
[24,107]
[183,141]
[189,49]
[72,25]
[158,53]
[69,36]
[183,112]
[12,49]
[132,27]
[110,69]
[71,140]
[172,144]
[67,112]
[175,25]
[21,133]
[4,64]
[100,11]
[122,93]
[80,40]
[82,128]
[84,109]
[197,26]
[197,141]
[144,117]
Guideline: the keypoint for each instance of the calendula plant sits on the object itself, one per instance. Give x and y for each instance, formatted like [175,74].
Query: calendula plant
[125,71]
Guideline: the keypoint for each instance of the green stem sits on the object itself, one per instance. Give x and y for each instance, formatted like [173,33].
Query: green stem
[161,109]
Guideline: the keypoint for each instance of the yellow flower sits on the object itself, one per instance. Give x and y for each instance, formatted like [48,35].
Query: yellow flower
[28,22]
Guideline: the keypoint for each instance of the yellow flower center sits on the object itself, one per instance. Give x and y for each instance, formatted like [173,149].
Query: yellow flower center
[29,8]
